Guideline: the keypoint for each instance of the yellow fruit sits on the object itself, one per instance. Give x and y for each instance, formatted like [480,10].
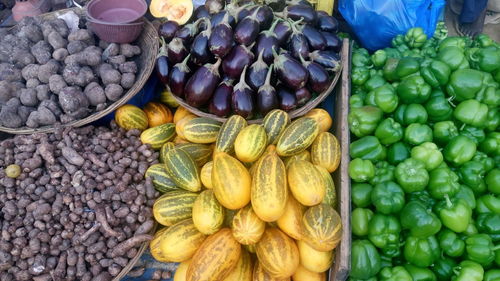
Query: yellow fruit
[322,227]
[331,193]
[154,246]
[291,221]
[13,171]
[231,181]
[275,123]
[168,98]
[259,274]
[206,174]
[243,269]
[181,271]
[250,143]
[277,253]
[179,125]
[306,183]
[158,114]
[314,260]
[180,241]
[208,214]
[180,113]
[325,151]
[247,227]
[322,117]
[302,274]
[159,135]
[297,137]
[173,207]
[228,133]
[304,155]
[201,130]
[179,11]
[131,117]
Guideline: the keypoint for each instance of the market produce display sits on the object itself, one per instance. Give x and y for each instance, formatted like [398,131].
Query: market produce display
[231,189]
[51,74]
[248,59]
[425,167]
[74,204]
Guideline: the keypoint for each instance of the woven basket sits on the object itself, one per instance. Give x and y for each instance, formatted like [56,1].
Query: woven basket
[293,114]
[148,41]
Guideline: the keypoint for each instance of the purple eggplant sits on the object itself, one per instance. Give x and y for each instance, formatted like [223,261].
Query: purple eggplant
[201,86]
[162,64]
[265,17]
[283,31]
[178,77]
[287,99]
[201,12]
[256,74]
[327,23]
[240,57]
[333,42]
[200,53]
[303,96]
[220,104]
[189,31]
[176,51]
[241,12]
[167,30]
[247,30]
[219,17]
[276,5]
[267,42]
[214,6]
[267,99]
[328,59]
[297,12]
[299,2]
[289,71]
[242,97]
[316,40]
[297,43]
[319,80]
[221,39]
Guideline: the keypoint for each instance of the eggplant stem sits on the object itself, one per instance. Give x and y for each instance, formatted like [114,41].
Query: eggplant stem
[164,48]
[301,59]
[268,75]
[186,59]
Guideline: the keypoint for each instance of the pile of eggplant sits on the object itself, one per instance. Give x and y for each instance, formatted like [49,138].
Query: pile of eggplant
[247,59]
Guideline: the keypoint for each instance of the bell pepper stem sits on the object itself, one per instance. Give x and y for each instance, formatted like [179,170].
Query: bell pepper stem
[448,201]
[462,127]
[450,101]
[496,248]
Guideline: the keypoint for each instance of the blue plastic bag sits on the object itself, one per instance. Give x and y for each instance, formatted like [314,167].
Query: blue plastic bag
[376,22]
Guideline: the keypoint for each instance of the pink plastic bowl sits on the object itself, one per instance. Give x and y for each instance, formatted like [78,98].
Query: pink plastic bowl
[116,11]
[116,32]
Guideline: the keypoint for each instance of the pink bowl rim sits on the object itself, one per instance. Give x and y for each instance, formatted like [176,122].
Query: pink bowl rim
[139,21]
[94,2]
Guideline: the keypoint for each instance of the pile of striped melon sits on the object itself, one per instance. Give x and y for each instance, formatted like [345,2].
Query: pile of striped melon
[246,202]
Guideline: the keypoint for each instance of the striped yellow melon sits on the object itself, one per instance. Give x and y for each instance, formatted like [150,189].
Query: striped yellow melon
[158,135]
[269,187]
[216,257]
[325,151]
[331,192]
[250,143]
[179,126]
[181,271]
[314,260]
[158,114]
[161,180]
[182,170]
[180,113]
[250,248]
[306,183]
[174,206]
[206,174]
[200,153]
[243,269]
[259,274]
[164,149]
[275,123]
[180,241]
[322,227]
[228,133]
[247,227]
[322,117]
[291,221]
[131,117]
[208,214]
[297,137]
[154,246]
[302,274]
[201,130]
[167,97]
[231,181]
[178,140]
[277,253]
[228,217]
[304,155]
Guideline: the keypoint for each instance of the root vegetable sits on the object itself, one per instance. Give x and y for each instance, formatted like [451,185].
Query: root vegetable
[145,227]
[95,94]
[42,52]
[76,47]
[128,67]
[113,92]
[28,97]
[82,35]
[72,100]
[56,40]
[32,83]
[109,75]
[76,75]
[129,50]
[57,83]
[111,50]
[30,71]
[8,72]
[126,245]
[42,92]
[128,80]
[47,70]
[100,215]
[60,54]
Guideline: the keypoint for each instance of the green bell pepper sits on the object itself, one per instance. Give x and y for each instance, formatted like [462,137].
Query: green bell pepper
[397,273]
[361,57]
[389,70]
[383,173]
[459,150]
[421,251]
[407,66]
[368,148]
[480,249]
[450,243]
[389,131]
[486,59]
[474,133]
[397,153]
[386,261]
[360,218]
[483,40]
[420,274]
[489,96]
[472,174]
[454,213]
[492,275]
[491,144]
[454,57]
[422,197]
[471,229]
[383,231]
[359,75]
[443,268]
[429,154]
[379,58]
[471,112]
[443,181]
[469,271]
[364,120]
[356,100]
[453,41]
[416,134]
[487,204]
[492,181]
[385,98]
[374,82]
[438,107]
[407,114]
[493,119]
[444,132]
[365,260]
[412,175]
[488,162]
[436,73]
[392,53]
[464,84]
[413,89]
[415,37]
[361,170]
[388,198]
[398,40]
[465,193]
[489,223]
[420,220]
[361,194]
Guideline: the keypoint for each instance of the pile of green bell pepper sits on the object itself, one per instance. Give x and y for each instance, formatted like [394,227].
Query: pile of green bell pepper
[425,159]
